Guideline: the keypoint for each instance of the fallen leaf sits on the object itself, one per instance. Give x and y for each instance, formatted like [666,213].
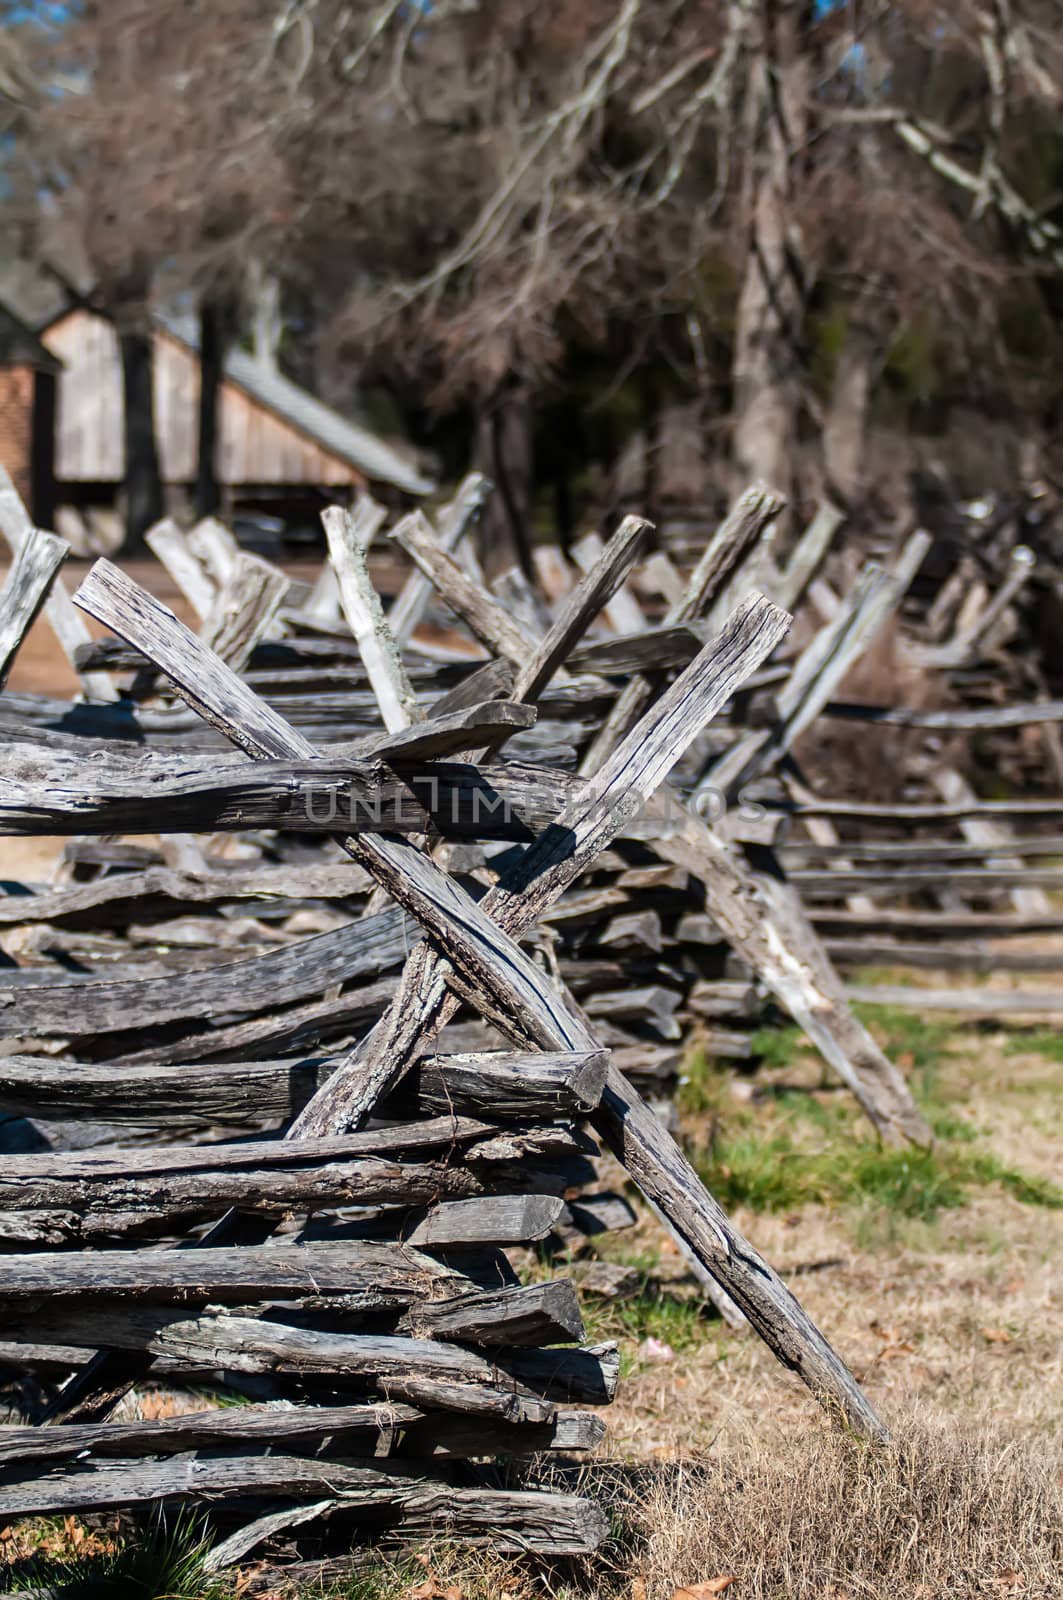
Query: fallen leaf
[155,1406]
[702,1591]
[1010,1579]
[638,1589]
[247,1575]
[906,1060]
[996,1335]
[890,1352]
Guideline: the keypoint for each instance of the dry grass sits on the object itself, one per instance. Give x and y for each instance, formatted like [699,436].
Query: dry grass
[944,1512]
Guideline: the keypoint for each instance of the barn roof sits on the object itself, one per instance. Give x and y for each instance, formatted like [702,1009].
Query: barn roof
[374,457]
[20,347]
[36,295]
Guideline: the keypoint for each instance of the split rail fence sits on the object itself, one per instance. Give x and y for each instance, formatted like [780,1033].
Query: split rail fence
[368,938]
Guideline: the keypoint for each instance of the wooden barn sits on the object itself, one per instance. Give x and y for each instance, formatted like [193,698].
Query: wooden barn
[278,447]
[28,384]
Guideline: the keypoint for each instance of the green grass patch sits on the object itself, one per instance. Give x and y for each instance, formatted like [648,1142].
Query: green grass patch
[703,1084]
[1040,1042]
[645,1258]
[827,1110]
[654,1313]
[778,1047]
[803,1145]
[777,1173]
[1026,1187]
[918,1184]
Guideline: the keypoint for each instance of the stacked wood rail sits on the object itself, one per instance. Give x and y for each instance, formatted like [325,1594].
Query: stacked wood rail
[368,938]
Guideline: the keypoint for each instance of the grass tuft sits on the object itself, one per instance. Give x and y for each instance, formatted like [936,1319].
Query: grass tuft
[163,1560]
[703,1084]
[941,1515]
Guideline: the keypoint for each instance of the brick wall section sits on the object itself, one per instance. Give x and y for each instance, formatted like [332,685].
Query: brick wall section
[16,426]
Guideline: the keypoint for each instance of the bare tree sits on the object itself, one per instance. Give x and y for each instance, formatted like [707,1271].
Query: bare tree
[468,190]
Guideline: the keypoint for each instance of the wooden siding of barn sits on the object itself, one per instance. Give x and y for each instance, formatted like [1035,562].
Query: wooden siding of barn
[255,445]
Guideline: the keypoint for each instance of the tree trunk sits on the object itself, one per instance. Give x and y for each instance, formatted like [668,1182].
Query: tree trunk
[845,425]
[766,367]
[214,327]
[267,322]
[503,451]
[143,483]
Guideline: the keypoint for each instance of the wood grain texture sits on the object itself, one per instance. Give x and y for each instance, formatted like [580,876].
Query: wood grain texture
[515,1383]
[141,895]
[170,547]
[752,513]
[76,1007]
[349,535]
[16,527]
[366,1430]
[603,578]
[485,618]
[669,1182]
[26,588]
[593,817]
[378,1275]
[452,524]
[54,793]
[399,1505]
[185,1093]
[243,608]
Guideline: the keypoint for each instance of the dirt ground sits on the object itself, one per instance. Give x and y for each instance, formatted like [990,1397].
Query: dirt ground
[40,666]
